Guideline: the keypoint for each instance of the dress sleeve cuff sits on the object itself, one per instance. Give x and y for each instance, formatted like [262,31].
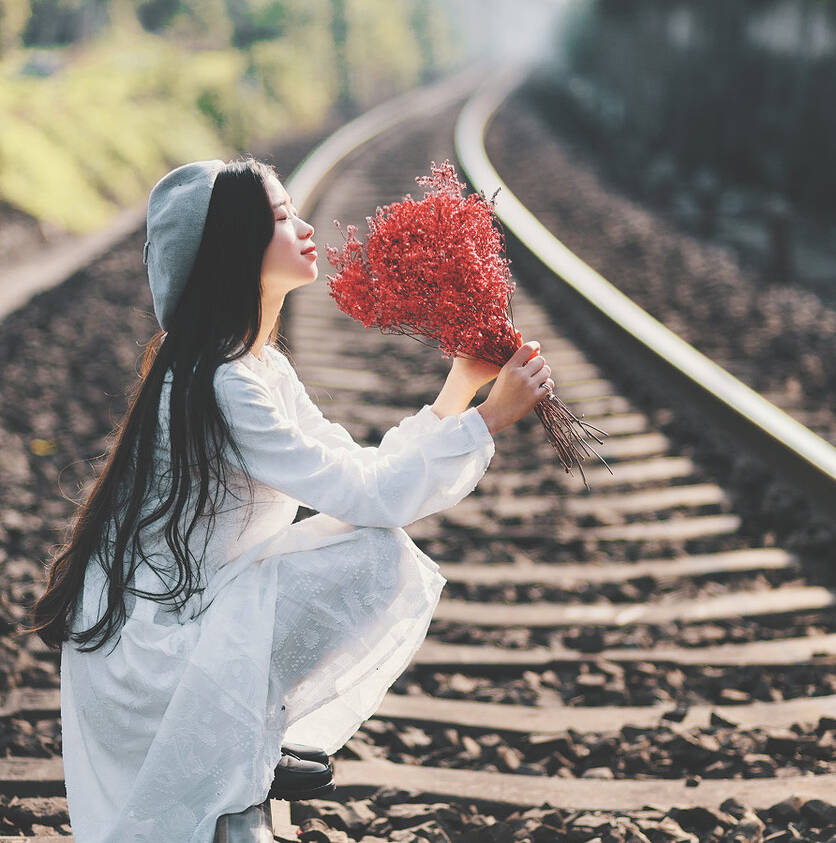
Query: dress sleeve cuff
[477,426]
[470,421]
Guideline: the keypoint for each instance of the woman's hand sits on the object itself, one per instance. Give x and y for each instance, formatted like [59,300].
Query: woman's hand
[474,372]
[521,384]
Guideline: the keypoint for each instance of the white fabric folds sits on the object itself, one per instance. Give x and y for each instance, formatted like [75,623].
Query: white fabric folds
[301,629]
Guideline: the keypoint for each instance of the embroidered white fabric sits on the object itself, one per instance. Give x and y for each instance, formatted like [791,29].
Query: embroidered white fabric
[300,631]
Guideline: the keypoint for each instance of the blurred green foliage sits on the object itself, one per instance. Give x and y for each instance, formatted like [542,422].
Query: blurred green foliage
[99,99]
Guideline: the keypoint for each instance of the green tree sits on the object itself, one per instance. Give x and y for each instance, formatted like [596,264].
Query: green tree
[198,23]
[256,20]
[58,22]
[155,15]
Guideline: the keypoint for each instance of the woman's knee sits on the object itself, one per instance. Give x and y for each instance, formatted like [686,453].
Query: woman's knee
[384,540]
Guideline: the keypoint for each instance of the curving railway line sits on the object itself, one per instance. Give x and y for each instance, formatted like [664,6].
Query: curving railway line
[620,664]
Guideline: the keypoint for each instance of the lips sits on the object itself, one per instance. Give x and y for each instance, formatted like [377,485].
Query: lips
[309,250]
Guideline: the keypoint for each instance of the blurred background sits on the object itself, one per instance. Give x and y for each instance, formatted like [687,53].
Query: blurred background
[99,98]
[719,110]
[714,116]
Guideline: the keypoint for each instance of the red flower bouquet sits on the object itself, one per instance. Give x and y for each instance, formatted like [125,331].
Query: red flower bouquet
[436,269]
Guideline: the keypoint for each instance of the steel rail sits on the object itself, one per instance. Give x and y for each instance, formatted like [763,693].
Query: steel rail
[809,460]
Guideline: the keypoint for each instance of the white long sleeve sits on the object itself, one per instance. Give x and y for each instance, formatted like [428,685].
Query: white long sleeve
[423,465]
[333,435]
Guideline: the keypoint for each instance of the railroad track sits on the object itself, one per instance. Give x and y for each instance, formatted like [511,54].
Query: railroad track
[600,652]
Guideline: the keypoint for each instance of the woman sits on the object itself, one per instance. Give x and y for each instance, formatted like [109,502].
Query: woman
[244,647]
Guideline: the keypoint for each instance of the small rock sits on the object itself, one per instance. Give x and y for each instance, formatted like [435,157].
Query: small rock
[541,745]
[380,826]
[598,773]
[472,748]
[510,757]
[749,830]
[733,696]
[410,738]
[391,795]
[430,831]
[786,742]
[677,715]
[49,811]
[760,764]
[703,819]
[591,822]
[462,684]
[819,813]
[452,737]
[376,727]
[734,807]
[497,832]
[788,810]
[314,830]
[631,733]
[591,680]
[722,722]
[625,831]
[352,817]
[666,830]
[826,723]
[411,814]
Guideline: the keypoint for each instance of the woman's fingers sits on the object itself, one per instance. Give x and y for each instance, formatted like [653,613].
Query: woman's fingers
[536,366]
[525,352]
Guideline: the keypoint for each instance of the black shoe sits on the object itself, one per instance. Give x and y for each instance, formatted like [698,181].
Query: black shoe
[298,778]
[309,753]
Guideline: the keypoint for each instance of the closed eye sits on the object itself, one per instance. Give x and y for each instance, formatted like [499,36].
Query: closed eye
[286,206]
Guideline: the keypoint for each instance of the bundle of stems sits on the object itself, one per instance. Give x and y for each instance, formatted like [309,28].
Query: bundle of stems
[567,433]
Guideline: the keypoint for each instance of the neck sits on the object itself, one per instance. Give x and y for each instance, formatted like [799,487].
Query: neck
[269,318]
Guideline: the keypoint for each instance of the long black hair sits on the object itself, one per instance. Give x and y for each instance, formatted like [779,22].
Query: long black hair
[217,319]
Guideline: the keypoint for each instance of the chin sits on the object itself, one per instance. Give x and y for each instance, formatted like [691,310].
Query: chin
[303,282]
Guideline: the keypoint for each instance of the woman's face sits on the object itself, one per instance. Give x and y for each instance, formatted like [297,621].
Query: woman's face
[283,266]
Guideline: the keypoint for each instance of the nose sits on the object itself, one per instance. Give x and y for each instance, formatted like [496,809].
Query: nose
[307,231]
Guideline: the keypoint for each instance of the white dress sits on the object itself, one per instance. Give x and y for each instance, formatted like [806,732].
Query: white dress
[301,629]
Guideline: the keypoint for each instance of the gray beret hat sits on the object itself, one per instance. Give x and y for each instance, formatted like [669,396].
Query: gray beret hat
[177,208]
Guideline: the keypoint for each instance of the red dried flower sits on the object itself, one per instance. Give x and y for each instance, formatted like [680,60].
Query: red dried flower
[436,268]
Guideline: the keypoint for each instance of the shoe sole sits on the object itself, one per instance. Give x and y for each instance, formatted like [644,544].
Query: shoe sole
[309,793]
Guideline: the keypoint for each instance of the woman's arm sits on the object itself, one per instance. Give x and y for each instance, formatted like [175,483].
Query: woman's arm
[455,396]
[434,467]
[464,380]
[334,435]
